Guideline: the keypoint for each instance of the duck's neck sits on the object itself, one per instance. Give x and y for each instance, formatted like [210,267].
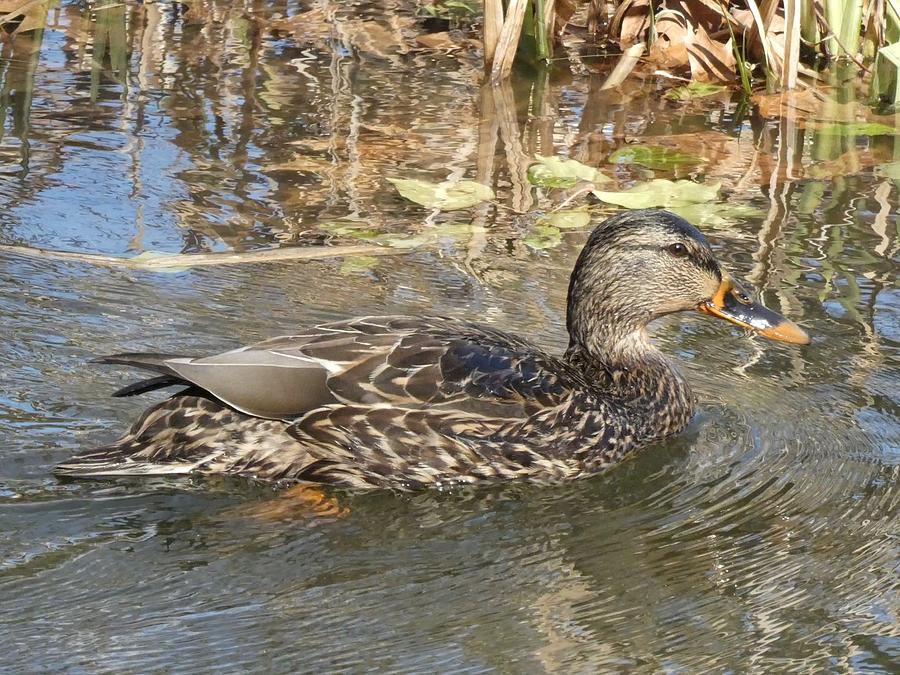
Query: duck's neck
[629,370]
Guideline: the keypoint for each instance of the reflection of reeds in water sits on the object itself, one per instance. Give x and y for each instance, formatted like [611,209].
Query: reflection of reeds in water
[277,145]
[20,57]
[109,44]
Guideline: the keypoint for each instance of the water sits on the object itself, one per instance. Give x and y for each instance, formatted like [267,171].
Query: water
[765,538]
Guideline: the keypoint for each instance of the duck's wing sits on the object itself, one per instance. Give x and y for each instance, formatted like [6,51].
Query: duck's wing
[398,361]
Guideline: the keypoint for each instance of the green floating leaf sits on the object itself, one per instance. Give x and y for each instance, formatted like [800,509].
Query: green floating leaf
[694,90]
[890,170]
[401,240]
[556,172]
[567,220]
[715,214]
[352,229]
[430,235]
[542,237]
[445,196]
[654,157]
[857,129]
[660,192]
[360,264]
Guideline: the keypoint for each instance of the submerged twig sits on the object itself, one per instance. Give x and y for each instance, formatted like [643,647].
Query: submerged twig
[623,68]
[184,260]
[581,189]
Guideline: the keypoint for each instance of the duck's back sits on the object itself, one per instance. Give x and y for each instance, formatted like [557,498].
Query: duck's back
[369,402]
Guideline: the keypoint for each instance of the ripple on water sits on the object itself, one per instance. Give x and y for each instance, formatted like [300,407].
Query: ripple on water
[763,539]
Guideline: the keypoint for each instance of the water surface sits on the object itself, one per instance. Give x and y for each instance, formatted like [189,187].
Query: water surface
[765,538]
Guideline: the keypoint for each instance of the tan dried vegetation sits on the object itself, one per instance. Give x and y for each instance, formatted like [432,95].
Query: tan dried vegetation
[774,42]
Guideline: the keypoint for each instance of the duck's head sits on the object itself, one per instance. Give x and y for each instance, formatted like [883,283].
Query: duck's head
[640,265]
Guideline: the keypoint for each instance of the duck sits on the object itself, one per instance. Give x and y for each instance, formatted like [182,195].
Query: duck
[406,403]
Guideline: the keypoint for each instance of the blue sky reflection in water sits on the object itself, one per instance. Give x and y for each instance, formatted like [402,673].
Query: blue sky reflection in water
[764,538]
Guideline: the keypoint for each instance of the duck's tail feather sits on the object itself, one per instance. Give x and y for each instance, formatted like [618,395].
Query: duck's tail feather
[163,441]
[151,384]
[110,461]
[153,362]
[187,433]
[144,361]
[193,433]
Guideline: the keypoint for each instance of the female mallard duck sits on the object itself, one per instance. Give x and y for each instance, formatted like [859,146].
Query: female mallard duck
[410,402]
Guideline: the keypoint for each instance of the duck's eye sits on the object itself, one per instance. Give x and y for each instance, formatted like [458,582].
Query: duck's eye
[677,249]
[742,297]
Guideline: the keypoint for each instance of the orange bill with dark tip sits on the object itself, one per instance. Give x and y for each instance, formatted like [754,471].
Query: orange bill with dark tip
[731,303]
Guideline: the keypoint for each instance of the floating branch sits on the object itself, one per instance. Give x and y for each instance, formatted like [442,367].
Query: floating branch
[177,261]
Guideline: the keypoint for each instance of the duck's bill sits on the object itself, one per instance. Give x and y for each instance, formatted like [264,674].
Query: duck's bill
[732,304]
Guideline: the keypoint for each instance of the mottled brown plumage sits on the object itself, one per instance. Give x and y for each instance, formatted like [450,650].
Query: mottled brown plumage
[412,402]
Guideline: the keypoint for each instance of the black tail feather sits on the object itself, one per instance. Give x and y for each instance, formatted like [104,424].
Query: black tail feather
[144,361]
[153,362]
[151,384]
